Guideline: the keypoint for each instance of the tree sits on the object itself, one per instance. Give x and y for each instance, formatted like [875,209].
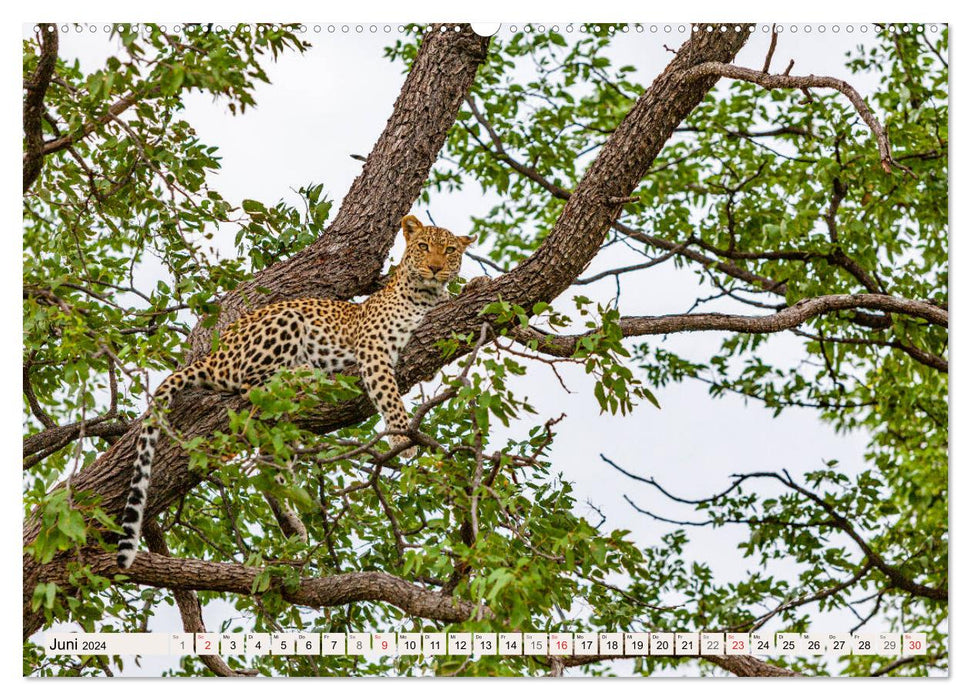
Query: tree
[784,192]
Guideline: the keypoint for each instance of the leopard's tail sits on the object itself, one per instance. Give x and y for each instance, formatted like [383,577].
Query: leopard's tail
[195,375]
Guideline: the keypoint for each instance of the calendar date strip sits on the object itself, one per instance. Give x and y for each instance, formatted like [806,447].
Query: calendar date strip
[564,648]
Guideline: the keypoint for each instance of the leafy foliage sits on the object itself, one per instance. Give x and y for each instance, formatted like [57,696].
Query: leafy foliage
[788,190]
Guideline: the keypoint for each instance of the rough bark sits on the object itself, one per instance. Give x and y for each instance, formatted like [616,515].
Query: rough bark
[34,104]
[749,666]
[349,256]
[40,445]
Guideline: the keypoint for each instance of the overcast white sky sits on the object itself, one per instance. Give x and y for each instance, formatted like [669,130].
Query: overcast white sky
[334,100]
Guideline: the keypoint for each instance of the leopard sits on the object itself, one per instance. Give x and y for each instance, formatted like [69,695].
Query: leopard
[315,333]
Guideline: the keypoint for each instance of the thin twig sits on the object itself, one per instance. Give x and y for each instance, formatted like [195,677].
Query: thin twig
[768,56]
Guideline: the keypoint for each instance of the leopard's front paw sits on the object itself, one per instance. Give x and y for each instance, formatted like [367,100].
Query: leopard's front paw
[409,453]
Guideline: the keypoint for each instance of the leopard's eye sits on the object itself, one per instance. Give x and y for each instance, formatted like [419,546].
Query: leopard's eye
[423,246]
[450,250]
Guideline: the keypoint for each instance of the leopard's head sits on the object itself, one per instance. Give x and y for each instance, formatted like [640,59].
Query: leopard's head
[432,254]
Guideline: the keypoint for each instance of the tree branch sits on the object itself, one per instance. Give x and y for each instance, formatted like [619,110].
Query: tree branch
[749,666]
[39,413]
[896,577]
[158,570]
[771,82]
[116,108]
[189,607]
[922,356]
[837,520]
[616,272]
[764,283]
[34,104]
[499,152]
[768,55]
[39,446]
[903,661]
[791,317]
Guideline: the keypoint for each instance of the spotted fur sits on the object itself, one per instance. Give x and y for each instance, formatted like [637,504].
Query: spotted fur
[322,333]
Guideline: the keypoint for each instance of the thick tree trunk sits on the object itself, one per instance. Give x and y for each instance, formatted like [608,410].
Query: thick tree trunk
[34,104]
[347,259]
[324,271]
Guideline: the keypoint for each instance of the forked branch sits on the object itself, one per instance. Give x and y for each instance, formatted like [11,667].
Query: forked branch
[785,81]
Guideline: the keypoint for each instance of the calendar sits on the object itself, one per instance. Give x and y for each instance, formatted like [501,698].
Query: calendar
[487,644]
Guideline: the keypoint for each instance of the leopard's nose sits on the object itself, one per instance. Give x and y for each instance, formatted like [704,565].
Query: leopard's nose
[435,269]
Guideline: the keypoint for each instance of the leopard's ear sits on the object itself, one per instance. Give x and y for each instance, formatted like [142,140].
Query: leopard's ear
[465,241]
[410,225]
